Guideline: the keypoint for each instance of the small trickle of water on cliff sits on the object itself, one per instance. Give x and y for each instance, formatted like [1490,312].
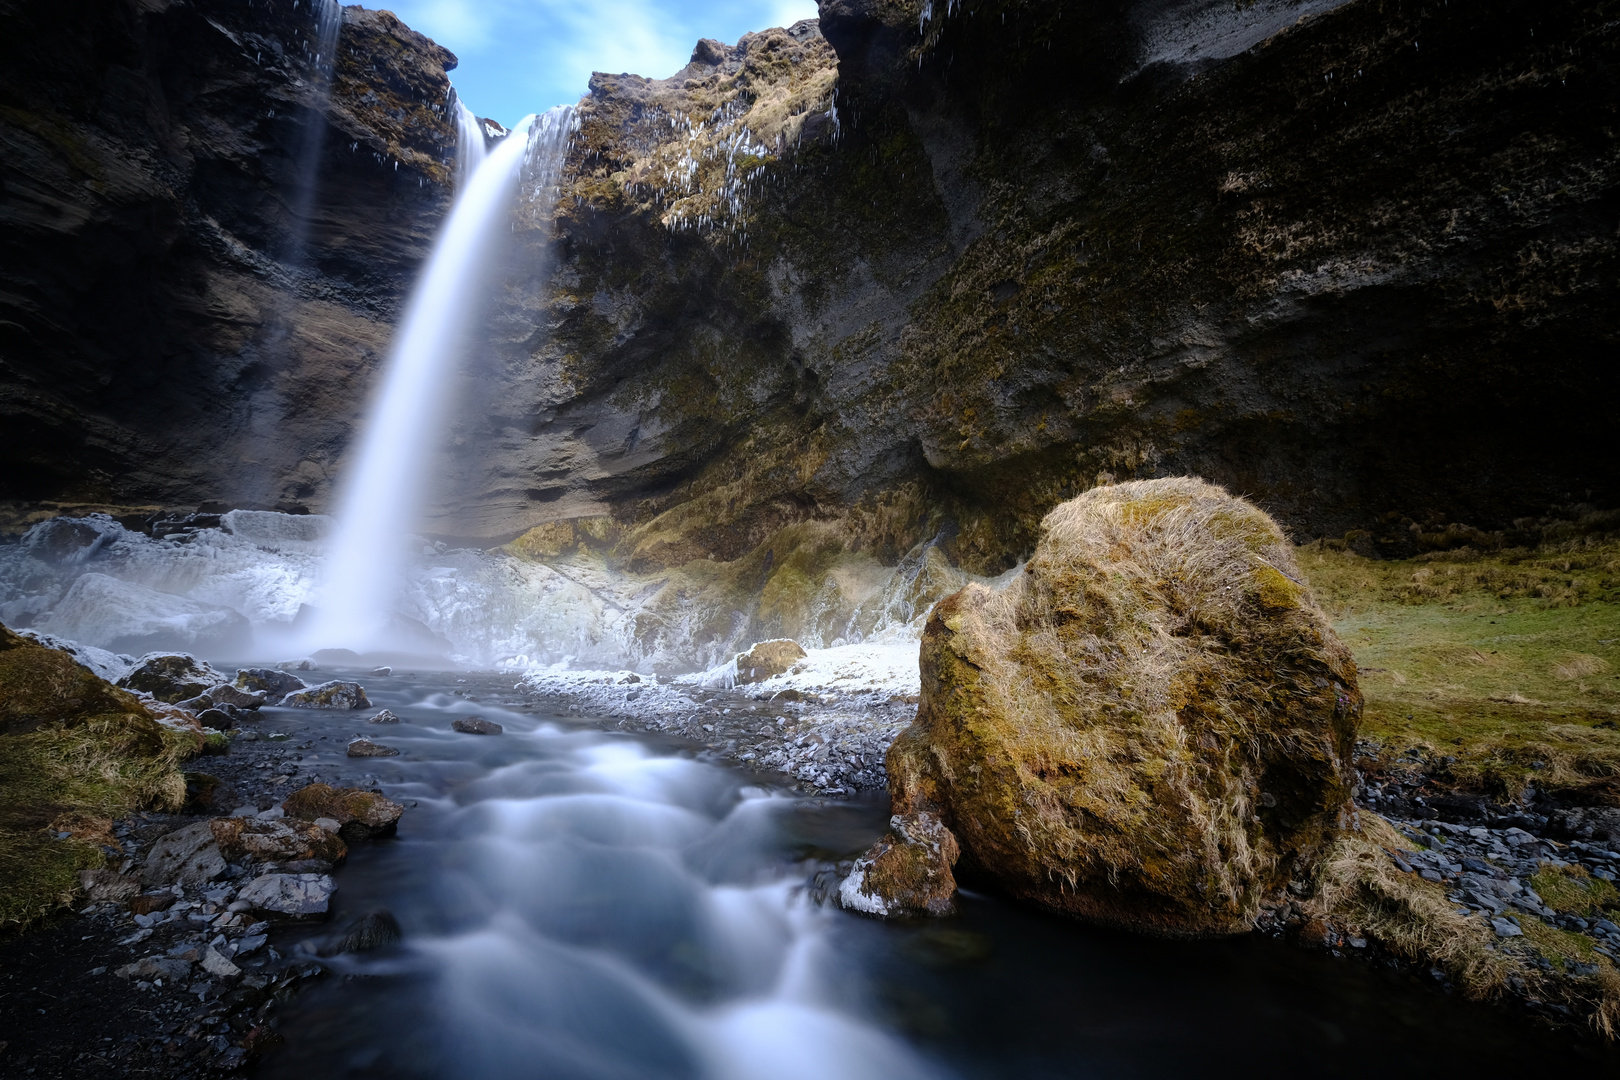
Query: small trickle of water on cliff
[381,497]
[328,25]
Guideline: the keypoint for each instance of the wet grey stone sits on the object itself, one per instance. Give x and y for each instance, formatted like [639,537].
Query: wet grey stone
[476,725]
[1506,928]
[296,896]
[187,855]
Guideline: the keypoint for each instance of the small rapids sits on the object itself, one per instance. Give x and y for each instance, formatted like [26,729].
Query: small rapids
[586,903]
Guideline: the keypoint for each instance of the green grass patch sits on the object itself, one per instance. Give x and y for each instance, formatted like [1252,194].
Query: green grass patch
[1561,947]
[1572,890]
[1508,663]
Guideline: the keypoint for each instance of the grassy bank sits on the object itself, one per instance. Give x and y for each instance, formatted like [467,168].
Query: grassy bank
[75,753]
[1499,668]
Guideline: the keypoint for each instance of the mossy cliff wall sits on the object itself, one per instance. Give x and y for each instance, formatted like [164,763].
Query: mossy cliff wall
[1357,261]
[182,319]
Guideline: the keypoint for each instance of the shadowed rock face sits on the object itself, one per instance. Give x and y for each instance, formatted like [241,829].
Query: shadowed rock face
[1354,260]
[915,281]
[169,330]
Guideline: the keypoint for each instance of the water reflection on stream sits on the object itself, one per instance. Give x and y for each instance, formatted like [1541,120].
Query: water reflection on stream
[583,903]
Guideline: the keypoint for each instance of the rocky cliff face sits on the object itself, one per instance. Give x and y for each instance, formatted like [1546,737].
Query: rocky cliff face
[188,314]
[871,292]
[1356,260]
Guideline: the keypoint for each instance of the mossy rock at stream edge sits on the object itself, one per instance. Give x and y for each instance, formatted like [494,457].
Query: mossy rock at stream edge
[1150,727]
[75,751]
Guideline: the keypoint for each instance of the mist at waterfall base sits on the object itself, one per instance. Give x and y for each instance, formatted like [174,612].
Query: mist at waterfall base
[381,496]
[585,904]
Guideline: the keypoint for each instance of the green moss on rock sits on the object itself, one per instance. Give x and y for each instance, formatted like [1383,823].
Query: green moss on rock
[72,748]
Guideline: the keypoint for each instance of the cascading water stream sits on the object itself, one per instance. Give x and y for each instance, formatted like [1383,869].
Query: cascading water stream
[382,495]
[471,149]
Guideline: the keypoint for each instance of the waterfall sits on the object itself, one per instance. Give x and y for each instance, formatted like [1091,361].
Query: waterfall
[328,24]
[471,149]
[380,500]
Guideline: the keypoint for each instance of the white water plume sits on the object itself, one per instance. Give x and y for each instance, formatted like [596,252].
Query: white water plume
[471,149]
[381,498]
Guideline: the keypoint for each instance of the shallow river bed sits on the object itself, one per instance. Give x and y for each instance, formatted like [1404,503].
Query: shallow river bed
[580,902]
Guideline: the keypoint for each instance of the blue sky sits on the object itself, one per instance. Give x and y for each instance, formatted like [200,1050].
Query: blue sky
[523,56]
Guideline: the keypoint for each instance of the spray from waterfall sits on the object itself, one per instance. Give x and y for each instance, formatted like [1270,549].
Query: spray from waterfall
[381,497]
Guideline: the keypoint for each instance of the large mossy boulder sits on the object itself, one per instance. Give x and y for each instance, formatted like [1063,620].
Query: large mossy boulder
[1151,726]
[75,752]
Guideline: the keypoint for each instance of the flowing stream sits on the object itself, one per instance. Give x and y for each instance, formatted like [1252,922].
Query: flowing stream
[583,903]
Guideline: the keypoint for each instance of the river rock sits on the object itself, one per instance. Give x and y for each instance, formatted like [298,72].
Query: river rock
[276,841]
[384,717]
[367,748]
[336,694]
[168,968]
[219,719]
[273,683]
[108,885]
[295,896]
[187,855]
[226,694]
[360,815]
[908,872]
[476,725]
[374,930]
[171,677]
[218,965]
[1151,726]
[767,659]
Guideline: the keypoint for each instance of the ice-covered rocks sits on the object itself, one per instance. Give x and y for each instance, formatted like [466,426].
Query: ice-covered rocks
[384,717]
[69,541]
[367,748]
[271,682]
[293,896]
[768,659]
[171,677]
[336,694]
[125,616]
[908,872]
[359,814]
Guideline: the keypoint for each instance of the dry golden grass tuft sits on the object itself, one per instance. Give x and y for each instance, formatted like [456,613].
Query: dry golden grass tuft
[1358,884]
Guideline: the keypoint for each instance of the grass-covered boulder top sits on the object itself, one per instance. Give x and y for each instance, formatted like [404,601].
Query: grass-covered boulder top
[1151,726]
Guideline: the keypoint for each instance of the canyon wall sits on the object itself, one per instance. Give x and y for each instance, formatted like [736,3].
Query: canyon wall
[183,316]
[847,296]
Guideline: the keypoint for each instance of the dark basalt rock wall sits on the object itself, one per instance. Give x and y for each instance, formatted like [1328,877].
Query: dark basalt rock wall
[921,278]
[1355,260]
[181,318]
